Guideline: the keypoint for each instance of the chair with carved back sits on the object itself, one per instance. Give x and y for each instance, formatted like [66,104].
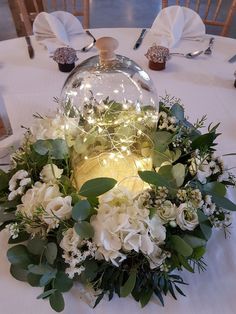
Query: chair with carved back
[210,11]
[25,11]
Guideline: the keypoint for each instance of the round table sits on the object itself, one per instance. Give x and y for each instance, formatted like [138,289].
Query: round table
[204,85]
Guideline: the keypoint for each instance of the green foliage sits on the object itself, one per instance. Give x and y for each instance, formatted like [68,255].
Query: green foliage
[128,287]
[56,149]
[84,229]
[18,255]
[57,301]
[180,245]
[81,210]
[62,282]
[96,187]
[51,252]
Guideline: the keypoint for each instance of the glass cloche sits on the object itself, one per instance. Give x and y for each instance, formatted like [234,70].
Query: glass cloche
[115,103]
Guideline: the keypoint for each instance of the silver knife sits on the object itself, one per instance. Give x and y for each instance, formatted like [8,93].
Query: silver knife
[233,59]
[140,39]
[30,47]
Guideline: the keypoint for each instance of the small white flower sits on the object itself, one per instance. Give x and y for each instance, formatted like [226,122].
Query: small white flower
[17,183]
[50,173]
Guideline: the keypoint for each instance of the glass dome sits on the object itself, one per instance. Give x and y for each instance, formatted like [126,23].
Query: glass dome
[116,103]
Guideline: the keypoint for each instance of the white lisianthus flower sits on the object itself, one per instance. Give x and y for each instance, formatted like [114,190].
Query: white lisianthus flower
[57,209]
[156,258]
[167,211]
[70,241]
[50,173]
[187,218]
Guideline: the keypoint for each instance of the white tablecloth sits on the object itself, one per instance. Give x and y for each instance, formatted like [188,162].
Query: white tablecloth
[205,86]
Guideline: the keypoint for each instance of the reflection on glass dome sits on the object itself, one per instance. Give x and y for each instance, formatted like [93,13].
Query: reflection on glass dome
[115,103]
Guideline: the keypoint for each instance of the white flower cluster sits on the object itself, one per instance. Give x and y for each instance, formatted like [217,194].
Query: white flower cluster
[17,184]
[166,122]
[43,203]
[122,224]
[50,173]
[76,251]
[13,230]
[205,166]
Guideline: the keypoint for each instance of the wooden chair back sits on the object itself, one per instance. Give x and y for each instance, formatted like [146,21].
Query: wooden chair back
[209,11]
[25,11]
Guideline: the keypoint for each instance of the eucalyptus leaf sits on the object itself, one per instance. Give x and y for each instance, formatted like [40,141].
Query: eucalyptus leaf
[129,284]
[47,278]
[22,236]
[224,203]
[4,216]
[155,178]
[96,187]
[206,229]
[215,188]
[57,301]
[178,112]
[33,279]
[181,246]
[62,282]
[193,241]
[81,210]
[51,252]
[204,140]
[178,172]
[18,272]
[198,252]
[91,268]
[201,216]
[84,229]
[4,179]
[46,294]
[36,245]
[161,140]
[57,148]
[18,255]
[40,269]
[185,263]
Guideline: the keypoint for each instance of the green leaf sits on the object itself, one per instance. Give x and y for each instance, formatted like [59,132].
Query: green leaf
[193,241]
[161,140]
[22,236]
[146,296]
[18,272]
[204,140]
[129,284]
[178,111]
[206,229]
[178,172]
[215,188]
[18,255]
[62,282]
[42,147]
[36,245]
[4,216]
[40,269]
[198,252]
[81,210]
[33,279]
[96,187]
[51,252]
[4,179]
[201,216]
[57,301]
[46,294]
[84,229]
[57,148]
[224,203]
[91,268]
[185,263]
[46,278]
[180,246]
[155,178]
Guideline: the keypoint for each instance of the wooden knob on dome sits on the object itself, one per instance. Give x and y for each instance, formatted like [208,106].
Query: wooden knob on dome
[106,47]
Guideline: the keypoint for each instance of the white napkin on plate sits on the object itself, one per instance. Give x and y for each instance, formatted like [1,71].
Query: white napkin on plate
[174,23]
[57,29]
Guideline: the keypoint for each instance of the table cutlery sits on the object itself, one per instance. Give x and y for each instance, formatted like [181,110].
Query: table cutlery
[233,59]
[189,55]
[140,39]
[208,51]
[89,46]
[30,47]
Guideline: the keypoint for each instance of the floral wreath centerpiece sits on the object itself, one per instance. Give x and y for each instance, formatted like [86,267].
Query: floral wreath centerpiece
[112,193]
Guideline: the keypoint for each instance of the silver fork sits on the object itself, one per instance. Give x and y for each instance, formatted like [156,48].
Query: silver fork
[90,46]
[208,51]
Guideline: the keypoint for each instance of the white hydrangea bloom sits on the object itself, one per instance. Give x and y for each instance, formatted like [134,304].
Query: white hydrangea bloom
[122,224]
[17,183]
[50,173]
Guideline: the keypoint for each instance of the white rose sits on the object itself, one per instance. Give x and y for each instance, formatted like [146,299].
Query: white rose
[187,217]
[167,211]
[50,173]
[70,241]
[57,209]
[157,230]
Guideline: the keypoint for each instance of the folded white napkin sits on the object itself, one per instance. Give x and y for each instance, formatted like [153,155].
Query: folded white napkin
[174,23]
[57,29]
